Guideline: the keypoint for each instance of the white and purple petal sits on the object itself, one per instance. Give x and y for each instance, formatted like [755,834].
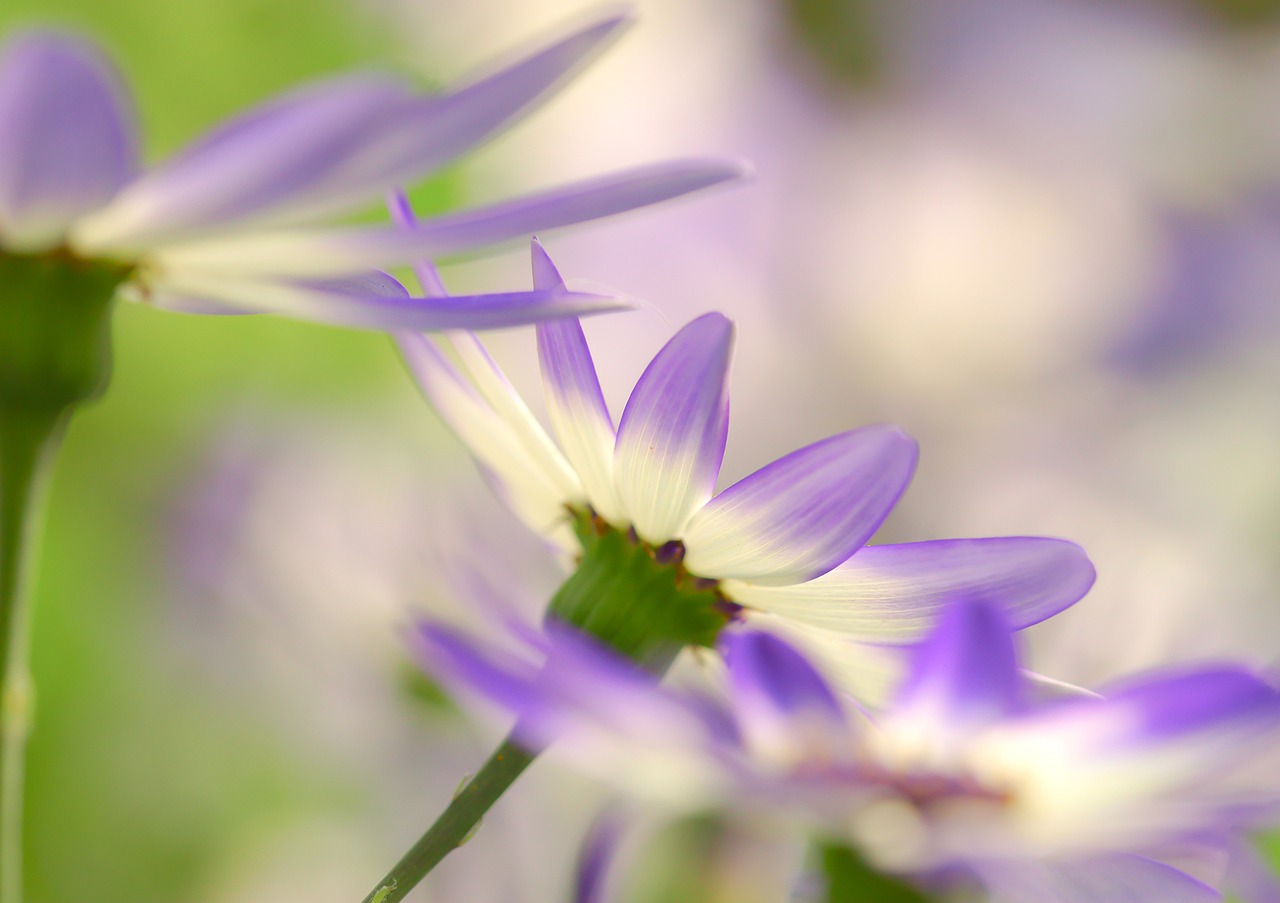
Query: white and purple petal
[531,493]
[323,252]
[805,513]
[672,434]
[965,673]
[575,402]
[893,593]
[288,150]
[1117,878]
[369,301]
[327,148]
[68,139]
[786,710]
[507,404]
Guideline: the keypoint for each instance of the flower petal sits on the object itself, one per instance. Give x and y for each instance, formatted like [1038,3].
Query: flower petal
[892,593]
[329,147]
[672,434]
[531,493]
[68,140]
[965,674]
[507,403]
[1119,878]
[768,673]
[1168,707]
[577,202]
[786,711]
[288,152]
[802,515]
[345,250]
[575,403]
[373,301]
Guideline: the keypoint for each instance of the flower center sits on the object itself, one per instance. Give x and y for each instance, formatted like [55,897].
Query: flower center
[55,315]
[636,597]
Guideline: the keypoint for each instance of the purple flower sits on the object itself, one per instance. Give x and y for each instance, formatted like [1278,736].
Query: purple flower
[963,774]
[788,541]
[242,220]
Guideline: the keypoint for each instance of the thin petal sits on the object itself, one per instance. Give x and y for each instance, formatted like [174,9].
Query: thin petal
[576,203]
[331,147]
[1103,879]
[531,492]
[508,405]
[805,513]
[597,855]
[575,403]
[286,152]
[965,674]
[892,593]
[770,674]
[786,711]
[672,435]
[344,250]
[1167,707]
[368,302]
[453,124]
[868,673]
[67,136]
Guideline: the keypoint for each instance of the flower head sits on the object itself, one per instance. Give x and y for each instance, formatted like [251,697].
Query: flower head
[788,540]
[963,773]
[241,220]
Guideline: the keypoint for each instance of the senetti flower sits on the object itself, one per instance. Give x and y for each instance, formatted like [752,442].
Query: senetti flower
[242,219]
[963,778]
[788,541]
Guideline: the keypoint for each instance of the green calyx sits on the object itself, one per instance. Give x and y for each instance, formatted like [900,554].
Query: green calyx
[55,329]
[637,598]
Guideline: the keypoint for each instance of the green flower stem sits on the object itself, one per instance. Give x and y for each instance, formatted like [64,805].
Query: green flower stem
[455,825]
[27,442]
[630,596]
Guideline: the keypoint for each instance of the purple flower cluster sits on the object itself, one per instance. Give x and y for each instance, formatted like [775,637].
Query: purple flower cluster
[952,765]
[964,776]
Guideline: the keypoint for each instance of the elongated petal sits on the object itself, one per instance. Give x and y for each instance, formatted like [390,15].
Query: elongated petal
[508,405]
[892,593]
[869,673]
[786,711]
[768,673]
[67,137]
[577,202]
[1103,879]
[328,148]
[672,434]
[805,513]
[450,125]
[965,674]
[288,151]
[375,302]
[341,251]
[575,403]
[599,849]
[1168,707]
[529,490]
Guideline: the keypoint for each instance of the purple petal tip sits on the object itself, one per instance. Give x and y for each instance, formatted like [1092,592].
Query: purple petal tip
[545,275]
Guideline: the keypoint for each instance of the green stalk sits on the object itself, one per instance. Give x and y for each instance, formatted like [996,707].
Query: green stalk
[455,825]
[27,442]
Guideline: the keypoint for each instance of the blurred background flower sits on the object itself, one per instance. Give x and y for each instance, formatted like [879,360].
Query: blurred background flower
[1038,235]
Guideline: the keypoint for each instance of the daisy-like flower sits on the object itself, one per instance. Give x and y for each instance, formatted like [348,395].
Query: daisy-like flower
[788,541]
[242,219]
[963,778]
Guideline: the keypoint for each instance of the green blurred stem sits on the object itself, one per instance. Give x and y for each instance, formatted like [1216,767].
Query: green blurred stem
[455,825]
[28,439]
